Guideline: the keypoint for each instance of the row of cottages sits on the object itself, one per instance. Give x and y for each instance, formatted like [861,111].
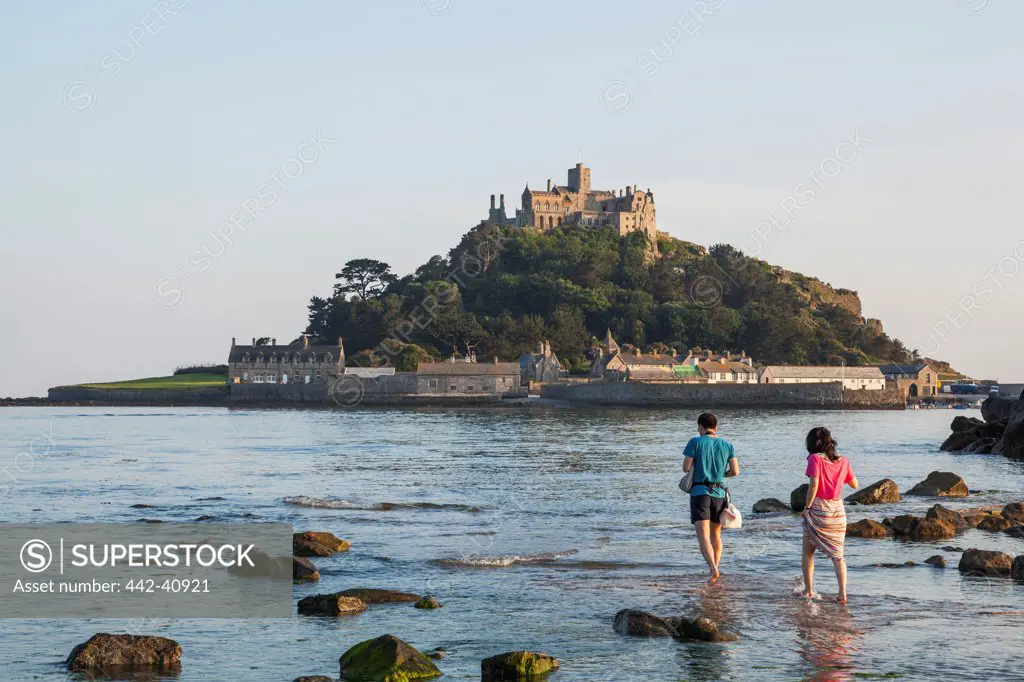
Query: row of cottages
[852,378]
[701,367]
[295,363]
[468,377]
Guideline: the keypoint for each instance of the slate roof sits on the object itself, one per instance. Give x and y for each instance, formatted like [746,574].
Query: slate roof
[909,371]
[819,372]
[238,352]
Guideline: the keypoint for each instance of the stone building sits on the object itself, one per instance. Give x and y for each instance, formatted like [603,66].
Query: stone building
[469,378]
[919,380]
[576,203]
[852,378]
[614,364]
[543,365]
[292,364]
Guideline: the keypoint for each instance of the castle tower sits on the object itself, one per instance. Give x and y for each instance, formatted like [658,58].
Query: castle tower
[579,179]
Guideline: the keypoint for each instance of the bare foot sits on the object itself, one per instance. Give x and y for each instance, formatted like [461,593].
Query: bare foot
[841,598]
[714,578]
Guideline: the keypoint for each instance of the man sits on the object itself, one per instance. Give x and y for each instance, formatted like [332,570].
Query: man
[713,459]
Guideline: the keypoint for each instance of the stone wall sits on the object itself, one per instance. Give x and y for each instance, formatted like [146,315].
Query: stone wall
[829,396]
[118,396]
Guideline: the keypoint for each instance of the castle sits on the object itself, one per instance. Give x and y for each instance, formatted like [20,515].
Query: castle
[575,203]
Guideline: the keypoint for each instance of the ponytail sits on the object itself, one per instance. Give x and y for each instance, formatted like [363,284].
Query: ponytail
[820,441]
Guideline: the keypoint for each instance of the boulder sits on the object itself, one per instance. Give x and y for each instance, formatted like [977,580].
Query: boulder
[375,596]
[428,603]
[933,529]
[995,524]
[866,528]
[1011,444]
[938,561]
[982,446]
[770,505]
[959,440]
[1014,512]
[962,423]
[517,665]
[303,570]
[798,497]
[1017,569]
[877,493]
[984,562]
[1015,532]
[941,484]
[438,654]
[314,678]
[904,524]
[125,652]
[312,543]
[950,515]
[703,630]
[996,409]
[642,624]
[385,659]
[330,605]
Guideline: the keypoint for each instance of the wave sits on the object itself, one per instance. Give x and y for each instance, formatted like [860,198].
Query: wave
[503,561]
[317,503]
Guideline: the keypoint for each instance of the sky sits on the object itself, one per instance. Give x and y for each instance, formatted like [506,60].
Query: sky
[178,173]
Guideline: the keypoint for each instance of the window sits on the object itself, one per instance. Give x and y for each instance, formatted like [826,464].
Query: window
[258,379]
[328,357]
[432,383]
[469,388]
[307,378]
[245,376]
[271,379]
[453,388]
[284,378]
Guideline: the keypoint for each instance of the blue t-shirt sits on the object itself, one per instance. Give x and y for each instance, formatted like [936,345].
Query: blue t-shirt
[711,457]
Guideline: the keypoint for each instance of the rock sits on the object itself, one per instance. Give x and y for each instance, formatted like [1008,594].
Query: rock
[941,484]
[314,678]
[904,524]
[798,497]
[642,624]
[982,446]
[1017,569]
[1011,444]
[313,543]
[1015,532]
[1014,512]
[303,570]
[866,528]
[517,665]
[962,423]
[438,654]
[385,659]
[959,441]
[984,562]
[952,548]
[125,652]
[938,561]
[877,493]
[375,596]
[703,630]
[950,515]
[770,505]
[933,529]
[906,564]
[330,605]
[995,524]
[996,409]
[428,603]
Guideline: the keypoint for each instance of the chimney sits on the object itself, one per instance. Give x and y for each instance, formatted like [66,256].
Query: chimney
[540,348]
[254,340]
[232,342]
[629,190]
[502,202]
[695,361]
[547,349]
[273,342]
[341,352]
[492,202]
[636,351]
[549,184]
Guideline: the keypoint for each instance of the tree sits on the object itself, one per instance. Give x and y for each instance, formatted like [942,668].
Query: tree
[263,341]
[364,277]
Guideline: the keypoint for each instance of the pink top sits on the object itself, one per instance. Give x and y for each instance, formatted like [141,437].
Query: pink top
[832,476]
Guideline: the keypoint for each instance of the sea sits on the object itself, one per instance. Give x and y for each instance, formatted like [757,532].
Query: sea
[533,526]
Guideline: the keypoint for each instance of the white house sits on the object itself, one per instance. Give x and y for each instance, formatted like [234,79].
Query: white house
[852,378]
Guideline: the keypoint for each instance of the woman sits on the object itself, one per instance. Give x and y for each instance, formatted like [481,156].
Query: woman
[824,513]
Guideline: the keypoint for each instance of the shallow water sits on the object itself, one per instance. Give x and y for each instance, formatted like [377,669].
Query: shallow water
[533,527]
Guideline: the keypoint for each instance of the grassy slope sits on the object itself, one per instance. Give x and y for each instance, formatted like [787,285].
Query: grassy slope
[177,382]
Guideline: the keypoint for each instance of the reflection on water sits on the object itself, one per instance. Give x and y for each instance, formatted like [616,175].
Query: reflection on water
[533,527]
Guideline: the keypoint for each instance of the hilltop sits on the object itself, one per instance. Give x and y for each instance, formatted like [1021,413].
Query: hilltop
[503,288]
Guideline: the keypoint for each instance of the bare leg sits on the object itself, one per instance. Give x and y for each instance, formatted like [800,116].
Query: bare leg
[840,567]
[808,566]
[704,538]
[716,542]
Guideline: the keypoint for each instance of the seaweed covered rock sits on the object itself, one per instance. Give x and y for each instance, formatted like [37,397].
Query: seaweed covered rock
[303,570]
[428,603]
[330,605]
[885,491]
[377,596]
[313,543]
[866,528]
[1014,512]
[517,665]
[770,505]
[385,659]
[995,524]
[104,652]
[638,623]
[941,484]
[949,515]
[798,498]
[985,562]
[703,630]
[938,561]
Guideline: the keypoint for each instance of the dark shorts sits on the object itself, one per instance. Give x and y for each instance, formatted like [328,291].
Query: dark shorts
[706,508]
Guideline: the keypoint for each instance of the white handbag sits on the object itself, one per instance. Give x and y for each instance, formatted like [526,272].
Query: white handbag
[731,517]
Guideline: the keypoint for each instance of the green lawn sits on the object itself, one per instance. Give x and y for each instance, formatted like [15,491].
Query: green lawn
[179,381]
